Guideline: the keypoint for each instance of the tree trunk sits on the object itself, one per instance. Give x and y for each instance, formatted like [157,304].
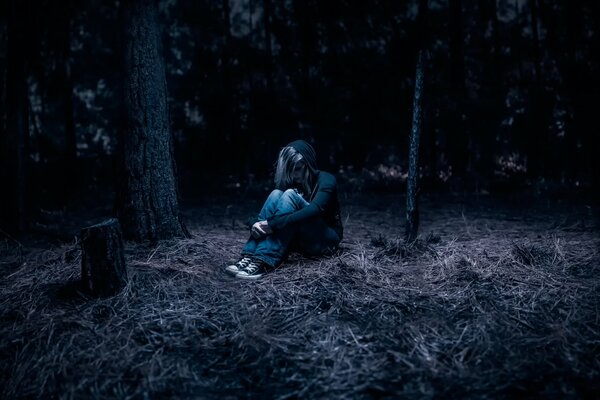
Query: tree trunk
[491,93]
[61,42]
[250,18]
[14,158]
[148,207]
[103,268]
[270,121]
[3,117]
[412,205]
[573,86]
[497,48]
[412,191]
[268,47]
[457,139]
[232,139]
[516,42]
[537,58]
[72,178]
[537,141]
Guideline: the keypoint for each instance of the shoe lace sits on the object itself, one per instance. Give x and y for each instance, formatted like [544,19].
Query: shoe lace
[251,267]
[243,263]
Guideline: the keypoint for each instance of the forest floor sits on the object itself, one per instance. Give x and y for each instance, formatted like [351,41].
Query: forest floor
[499,298]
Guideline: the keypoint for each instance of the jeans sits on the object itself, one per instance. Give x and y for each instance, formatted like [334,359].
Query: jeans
[311,237]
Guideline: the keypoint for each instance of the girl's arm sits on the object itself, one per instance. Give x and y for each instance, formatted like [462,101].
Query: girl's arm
[315,208]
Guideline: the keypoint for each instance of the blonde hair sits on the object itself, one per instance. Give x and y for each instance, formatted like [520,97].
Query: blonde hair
[287,160]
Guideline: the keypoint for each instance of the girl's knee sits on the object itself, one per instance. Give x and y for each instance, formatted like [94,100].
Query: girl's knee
[292,196]
[275,194]
[290,193]
[291,200]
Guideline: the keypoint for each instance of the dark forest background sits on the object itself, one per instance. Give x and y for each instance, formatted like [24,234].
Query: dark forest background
[495,295]
[510,92]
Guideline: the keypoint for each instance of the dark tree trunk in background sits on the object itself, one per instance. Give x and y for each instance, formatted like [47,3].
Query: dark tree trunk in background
[226,62]
[592,139]
[307,34]
[232,137]
[496,42]
[250,17]
[537,58]
[412,206]
[71,176]
[491,94]
[587,106]
[103,268]
[573,32]
[268,47]
[575,83]
[269,119]
[497,95]
[516,41]
[456,43]
[537,143]
[148,206]
[13,215]
[457,137]
[412,190]
[3,137]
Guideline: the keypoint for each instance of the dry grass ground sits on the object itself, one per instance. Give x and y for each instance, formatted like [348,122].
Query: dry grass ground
[498,299]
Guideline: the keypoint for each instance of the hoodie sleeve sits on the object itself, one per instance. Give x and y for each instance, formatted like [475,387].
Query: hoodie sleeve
[326,189]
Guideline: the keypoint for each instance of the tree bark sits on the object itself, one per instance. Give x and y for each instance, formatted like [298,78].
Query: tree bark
[149,207]
[13,213]
[103,268]
[412,204]
[412,191]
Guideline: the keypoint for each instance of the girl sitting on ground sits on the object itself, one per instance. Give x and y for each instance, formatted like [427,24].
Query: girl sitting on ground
[302,214]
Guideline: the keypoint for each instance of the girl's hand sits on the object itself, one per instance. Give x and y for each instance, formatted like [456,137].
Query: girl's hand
[265,227]
[260,229]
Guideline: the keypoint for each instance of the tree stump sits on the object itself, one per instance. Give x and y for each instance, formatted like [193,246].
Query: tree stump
[103,269]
